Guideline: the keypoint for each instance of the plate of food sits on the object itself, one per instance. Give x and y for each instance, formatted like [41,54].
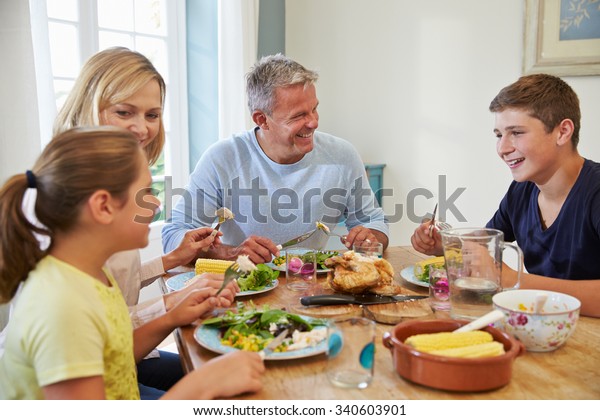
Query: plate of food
[261,280]
[419,273]
[252,329]
[408,274]
[279,262]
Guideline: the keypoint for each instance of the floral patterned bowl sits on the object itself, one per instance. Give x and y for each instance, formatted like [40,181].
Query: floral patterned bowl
[545,331]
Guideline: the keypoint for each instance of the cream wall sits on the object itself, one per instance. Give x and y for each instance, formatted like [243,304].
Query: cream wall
[19,122]
[409,84]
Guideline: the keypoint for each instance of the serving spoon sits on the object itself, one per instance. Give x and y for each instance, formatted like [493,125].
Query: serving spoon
[539,302]
[482,321]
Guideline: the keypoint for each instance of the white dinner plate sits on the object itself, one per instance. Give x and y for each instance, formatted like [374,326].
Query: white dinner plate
[408,274]
[282,266]
[179,282]
[209,337]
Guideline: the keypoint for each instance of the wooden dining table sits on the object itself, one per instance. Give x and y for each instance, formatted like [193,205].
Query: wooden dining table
[570,372]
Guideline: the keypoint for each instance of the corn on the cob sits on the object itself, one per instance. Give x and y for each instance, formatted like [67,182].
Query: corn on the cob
[447,340]
[421,271]
[478,350]
[279,260]
[208,265]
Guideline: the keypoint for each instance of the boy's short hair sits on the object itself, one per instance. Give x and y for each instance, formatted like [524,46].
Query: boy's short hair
[547,98]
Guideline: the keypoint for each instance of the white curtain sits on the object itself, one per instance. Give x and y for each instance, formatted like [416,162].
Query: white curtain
[238,41]
[19,125]
[27,108]
[19,132]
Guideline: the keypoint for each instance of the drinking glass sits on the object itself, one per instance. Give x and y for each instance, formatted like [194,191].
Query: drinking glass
[368,248]
[300,269]
[439,290]
[351,352]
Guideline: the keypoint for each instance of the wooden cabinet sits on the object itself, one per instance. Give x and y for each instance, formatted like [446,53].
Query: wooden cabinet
[375,174]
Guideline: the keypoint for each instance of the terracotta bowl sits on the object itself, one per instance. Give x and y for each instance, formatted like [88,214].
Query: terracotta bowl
[450,373]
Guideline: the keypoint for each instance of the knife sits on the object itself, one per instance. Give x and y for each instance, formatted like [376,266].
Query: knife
[273,344]
[357,299]
[296,240]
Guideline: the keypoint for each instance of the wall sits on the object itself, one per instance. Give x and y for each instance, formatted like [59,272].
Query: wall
[19,123]
[271,28]
[409,84]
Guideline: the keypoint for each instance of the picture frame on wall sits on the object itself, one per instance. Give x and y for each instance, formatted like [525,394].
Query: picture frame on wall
[562,37]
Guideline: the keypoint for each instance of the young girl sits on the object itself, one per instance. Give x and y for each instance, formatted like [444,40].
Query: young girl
[70,336]
[122,88]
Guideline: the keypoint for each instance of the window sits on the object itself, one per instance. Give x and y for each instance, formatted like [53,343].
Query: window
[79,28]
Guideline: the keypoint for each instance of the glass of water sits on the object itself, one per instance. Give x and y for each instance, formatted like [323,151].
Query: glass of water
[351,352]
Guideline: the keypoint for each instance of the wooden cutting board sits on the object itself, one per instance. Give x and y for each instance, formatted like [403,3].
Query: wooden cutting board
[393,313]
[387,313]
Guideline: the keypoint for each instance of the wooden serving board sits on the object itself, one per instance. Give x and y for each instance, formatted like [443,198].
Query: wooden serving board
[328,311]
[393,313]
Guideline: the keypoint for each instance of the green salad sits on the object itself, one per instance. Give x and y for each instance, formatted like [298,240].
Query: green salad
[264,323]
[257,279]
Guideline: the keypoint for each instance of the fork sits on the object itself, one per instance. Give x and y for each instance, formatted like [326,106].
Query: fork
[214,232]
[233,272]
[223,214]
[324,228]
[432,221]
[342,237]
[443,225]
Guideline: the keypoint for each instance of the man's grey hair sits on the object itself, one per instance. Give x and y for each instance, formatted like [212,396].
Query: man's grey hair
[270,73]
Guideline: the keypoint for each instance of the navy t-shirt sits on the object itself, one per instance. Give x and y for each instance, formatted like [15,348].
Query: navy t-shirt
[570,247]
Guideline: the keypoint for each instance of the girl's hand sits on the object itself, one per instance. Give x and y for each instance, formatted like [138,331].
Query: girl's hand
[224,376]
[196,304]
[200,281]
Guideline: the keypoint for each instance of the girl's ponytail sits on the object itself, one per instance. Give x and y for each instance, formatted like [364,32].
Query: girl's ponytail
[19,248]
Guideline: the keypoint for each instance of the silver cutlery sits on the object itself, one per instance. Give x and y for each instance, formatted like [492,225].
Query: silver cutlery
[223,214]
[273,344]
[432,221]
[443,226]
[233,272]
[296,240]
[323,227]
[341,299]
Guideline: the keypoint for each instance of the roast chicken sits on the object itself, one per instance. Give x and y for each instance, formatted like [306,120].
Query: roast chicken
[354,273]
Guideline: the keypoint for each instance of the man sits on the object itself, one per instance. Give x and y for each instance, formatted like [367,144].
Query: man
[279,178]
[552,208]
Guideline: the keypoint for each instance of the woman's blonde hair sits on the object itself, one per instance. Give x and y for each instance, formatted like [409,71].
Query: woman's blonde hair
[108,78]
[74,165]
